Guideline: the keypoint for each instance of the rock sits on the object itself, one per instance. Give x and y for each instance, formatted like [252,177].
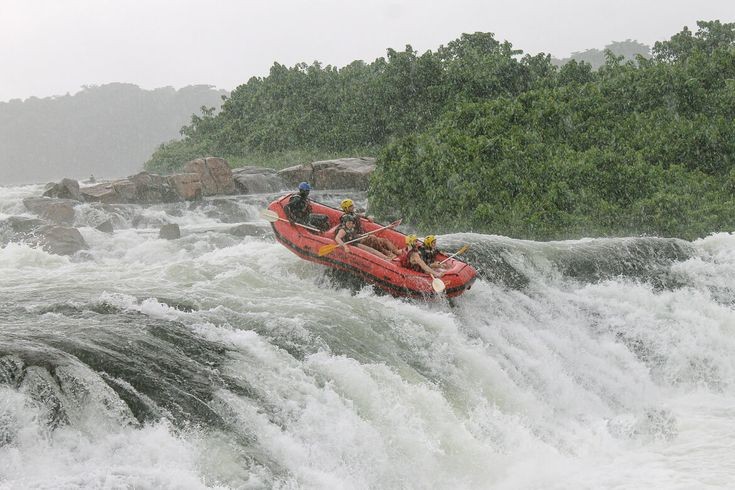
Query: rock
[103,193]
[257,180]
[125,189]
[65,189]
[187,186]
[60,240]
[18,228]
[105,227]
[249,229]
[148,221]
[59,211]
[153,188]
[214,173]
[292,176]
[170,232]
[20,224]
[342,173]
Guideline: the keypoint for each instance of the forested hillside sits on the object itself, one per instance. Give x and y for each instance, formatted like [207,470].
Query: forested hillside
[478,136]
[108,131]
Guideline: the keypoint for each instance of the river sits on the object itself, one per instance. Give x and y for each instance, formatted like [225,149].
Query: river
[222,360]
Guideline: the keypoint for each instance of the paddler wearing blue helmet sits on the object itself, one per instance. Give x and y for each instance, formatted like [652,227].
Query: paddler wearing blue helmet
[298,209]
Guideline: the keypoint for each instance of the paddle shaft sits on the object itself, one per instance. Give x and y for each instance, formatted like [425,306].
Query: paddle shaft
[395,223]
[461,250]
[272,216]
[328,249]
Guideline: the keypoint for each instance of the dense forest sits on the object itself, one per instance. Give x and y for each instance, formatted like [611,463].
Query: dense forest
[478,136]
[108,130]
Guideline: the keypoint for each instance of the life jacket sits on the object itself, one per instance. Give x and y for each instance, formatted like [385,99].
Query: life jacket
[428,254]
[298,208]
[349,234]
[357,220]
[405,259]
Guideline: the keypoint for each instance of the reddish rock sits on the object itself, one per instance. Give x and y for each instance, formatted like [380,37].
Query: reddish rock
[187,186]
[59,211]
[103,193]
[214,173]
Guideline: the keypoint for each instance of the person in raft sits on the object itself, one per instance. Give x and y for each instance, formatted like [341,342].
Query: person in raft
[347,231]
[298,210]
[429,252]
[382,245]
[411,258]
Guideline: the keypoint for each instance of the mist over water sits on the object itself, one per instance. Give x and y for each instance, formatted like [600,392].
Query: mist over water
[222,360]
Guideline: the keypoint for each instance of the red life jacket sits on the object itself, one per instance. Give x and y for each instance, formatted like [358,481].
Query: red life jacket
[405,259]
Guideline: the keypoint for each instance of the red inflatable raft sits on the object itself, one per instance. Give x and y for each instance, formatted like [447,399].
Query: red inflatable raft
[387,275]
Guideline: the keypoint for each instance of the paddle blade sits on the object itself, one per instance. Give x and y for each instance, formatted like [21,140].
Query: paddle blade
[438,285]
[269,215]
[326,249]
[463,249]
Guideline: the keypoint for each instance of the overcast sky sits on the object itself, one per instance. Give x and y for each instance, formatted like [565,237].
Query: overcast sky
[51,47]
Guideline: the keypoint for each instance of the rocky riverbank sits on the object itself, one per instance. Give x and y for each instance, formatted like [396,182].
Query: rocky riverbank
[52,219]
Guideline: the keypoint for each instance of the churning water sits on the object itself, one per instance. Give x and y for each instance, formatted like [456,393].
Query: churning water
[222,360]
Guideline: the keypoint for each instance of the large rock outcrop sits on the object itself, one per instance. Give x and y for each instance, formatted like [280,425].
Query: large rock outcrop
[60,240]
[342,173]
[59,211]
[257,180]
[64,189]
[214,173]
[153,188]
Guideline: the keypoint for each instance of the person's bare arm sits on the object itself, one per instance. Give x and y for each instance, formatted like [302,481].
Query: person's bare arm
[338,238]
[416,259]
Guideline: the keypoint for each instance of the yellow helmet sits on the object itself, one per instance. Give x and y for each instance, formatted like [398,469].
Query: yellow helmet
[430,241]
[411,240]
[346,203]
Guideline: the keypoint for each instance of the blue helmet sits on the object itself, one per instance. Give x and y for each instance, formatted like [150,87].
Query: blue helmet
[304,186]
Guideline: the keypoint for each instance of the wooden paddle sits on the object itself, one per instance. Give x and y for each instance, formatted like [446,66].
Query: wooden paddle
[328,249]
[272,216]
[462,250]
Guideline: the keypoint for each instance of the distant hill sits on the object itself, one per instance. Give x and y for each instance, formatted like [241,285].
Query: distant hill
[628,49]
[108,130]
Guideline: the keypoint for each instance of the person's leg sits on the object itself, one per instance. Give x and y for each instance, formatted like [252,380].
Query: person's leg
[372,251]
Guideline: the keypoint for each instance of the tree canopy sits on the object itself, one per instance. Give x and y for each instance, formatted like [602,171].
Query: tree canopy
[478,135]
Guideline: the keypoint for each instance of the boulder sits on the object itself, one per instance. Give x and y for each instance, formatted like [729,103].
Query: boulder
[18,228]
[187,186]
[60,240]
[60,211]
[21,224]
[152,188]
[257,180]
[250,229]
[291,176]
[105,227]
[65,189]
[214,173]
[103,193]
[148,221]
[342,173]
[170,232]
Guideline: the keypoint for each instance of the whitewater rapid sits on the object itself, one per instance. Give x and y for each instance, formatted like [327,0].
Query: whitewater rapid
[222,360]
